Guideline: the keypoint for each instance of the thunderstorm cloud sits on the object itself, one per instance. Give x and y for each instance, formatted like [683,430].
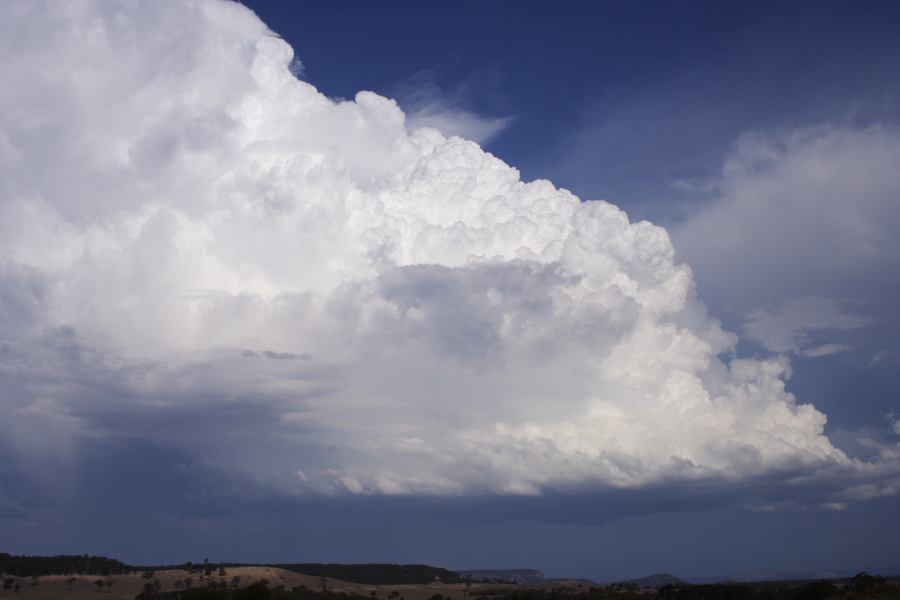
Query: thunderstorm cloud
[294,295]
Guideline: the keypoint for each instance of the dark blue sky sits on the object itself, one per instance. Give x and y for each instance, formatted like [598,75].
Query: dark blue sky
[764,136]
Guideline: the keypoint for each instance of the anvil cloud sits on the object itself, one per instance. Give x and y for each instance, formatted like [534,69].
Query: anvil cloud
[203,253]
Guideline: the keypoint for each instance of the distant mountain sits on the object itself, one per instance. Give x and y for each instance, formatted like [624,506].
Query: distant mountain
[569,580]
[655,581]
[520,576]
[791,575]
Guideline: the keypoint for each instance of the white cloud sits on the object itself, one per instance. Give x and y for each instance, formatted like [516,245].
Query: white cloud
[179,199]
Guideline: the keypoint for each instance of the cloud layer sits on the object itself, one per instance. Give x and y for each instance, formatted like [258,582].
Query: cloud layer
[292,295]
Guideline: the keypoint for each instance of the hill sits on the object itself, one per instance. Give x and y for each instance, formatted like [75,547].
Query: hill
[655,581]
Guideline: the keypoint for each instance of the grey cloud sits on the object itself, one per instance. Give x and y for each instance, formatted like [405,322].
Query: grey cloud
[792,326]
[824,350]
[799,244]
[275,355]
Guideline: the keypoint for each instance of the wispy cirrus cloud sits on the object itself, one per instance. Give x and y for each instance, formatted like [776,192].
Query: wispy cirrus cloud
[428,103]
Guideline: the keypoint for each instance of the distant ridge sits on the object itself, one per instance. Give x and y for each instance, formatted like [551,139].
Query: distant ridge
[821,574]
[655,581]
[520,576]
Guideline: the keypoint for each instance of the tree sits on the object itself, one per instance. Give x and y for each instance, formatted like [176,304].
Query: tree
[817,590]
[863,580]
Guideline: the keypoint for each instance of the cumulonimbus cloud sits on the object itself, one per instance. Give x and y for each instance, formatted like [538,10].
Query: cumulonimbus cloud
[177,207]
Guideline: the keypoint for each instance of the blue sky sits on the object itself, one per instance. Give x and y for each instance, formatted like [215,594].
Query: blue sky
[244,318]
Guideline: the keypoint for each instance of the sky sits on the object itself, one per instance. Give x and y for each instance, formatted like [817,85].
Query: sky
[601,289]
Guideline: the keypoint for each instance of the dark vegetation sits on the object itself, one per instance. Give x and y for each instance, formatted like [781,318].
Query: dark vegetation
[861,587]
[519,576]
[375,573]
[28,566]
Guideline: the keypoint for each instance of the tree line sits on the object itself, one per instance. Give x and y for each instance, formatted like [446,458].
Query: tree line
[375,573]
[62,564]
